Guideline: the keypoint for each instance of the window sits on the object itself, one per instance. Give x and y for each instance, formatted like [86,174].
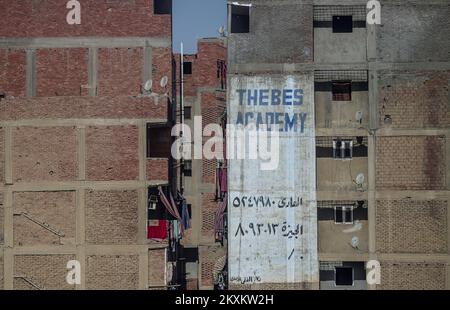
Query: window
[222,73]
[187,67]
[343,215]
[342,24]
[187,112]
[342,90]
[187,168]
[240,19]
[343,276]
[342,149]
[161,7]
[159,141]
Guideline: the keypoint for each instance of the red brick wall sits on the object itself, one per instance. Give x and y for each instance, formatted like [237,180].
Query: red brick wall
[12,72]
[415,99]
[82,107]
[44,154]
[111,217]
[158,169]
[205,69]
[162,66]
[57,209]
[120,71]
[407,226]
[112,153]
[47,18]
[61,72]
[112,272]
[411,163]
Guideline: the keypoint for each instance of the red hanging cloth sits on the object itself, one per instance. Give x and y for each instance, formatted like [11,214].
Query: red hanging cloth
[157,229]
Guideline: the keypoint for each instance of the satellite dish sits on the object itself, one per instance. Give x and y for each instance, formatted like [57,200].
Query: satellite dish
[355,242]
[148,85]
[164,81]
[222,30]
[360,179]
[359,116]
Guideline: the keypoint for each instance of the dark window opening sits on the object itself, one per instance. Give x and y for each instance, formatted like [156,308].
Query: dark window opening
[240,19]
[344,276]
[187,112]
[159,141]
[342,90]
[222,73]
[187,168]
[343,215]
[161,7]
[342,24]
[342,149]
[187,67]
[155,207]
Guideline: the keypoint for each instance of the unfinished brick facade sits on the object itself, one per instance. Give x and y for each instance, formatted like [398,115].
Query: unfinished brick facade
[415,99]
[156,264]
[12,72]
[33,210]
[411,162]
[111,217]
[412,276]
[112,272]
[61,72]
[73,118]
[112,153]
[41,272]
[406,226]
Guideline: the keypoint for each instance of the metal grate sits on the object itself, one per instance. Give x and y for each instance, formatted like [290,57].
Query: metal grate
[339,75]
[325,13]
[329,265]
[328,141]
[333,203]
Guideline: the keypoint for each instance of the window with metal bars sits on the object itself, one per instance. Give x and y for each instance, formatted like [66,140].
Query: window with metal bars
[342,149]
[342,90]
[343,214]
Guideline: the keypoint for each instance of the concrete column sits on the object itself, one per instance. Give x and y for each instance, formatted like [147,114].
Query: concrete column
[81,235]
[8,256]
[81,152]
[31,73]
[143,270]
[148,65]
[8,156]
[93,71]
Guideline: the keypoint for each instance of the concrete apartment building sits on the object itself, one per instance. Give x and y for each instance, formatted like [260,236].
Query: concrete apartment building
[78,121]
[204,99]
[378,149]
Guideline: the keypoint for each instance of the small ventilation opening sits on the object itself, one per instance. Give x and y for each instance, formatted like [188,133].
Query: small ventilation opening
[187,67]
[240,19]
[162,7]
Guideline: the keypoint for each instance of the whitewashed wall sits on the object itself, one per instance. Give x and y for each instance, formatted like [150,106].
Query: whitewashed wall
[287,254]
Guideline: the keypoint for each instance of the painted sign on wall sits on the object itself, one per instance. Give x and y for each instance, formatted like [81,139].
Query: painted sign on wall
[272,213]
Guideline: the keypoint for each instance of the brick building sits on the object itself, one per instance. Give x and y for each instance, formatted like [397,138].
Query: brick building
[204,81]
[78,117]
[382,130]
